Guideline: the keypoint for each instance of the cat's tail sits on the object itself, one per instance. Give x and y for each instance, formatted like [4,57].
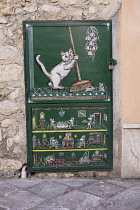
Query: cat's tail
[42,67]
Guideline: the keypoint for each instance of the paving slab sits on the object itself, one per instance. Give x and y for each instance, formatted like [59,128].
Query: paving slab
[25,183]
[129,198]
[50,189]
[121,183]
[74,200]
[75,182]
[13,198]
[6,189]
[132,181]
[111,206]
[102,189]
[3,181]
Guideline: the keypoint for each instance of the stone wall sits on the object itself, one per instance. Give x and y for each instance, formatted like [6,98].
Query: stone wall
[13,149]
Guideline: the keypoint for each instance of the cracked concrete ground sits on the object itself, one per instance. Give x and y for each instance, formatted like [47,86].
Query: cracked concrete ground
[70,194]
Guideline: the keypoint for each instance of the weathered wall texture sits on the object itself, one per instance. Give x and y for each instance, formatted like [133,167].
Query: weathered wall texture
[12,104]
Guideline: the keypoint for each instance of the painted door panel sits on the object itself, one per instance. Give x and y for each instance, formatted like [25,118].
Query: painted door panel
[68,95]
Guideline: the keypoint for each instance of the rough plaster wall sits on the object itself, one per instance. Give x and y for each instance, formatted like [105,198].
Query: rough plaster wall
[12,104]
[130,97]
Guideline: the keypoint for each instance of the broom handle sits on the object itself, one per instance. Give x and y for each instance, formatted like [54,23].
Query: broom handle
[76,63]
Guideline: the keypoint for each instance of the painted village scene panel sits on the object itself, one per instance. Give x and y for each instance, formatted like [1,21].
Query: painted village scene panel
[71,136]
[69,63]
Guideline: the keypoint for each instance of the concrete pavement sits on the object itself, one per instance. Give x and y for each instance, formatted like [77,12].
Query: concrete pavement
[69,194]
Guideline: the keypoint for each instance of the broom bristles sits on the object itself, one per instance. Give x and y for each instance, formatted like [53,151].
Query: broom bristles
[80,86]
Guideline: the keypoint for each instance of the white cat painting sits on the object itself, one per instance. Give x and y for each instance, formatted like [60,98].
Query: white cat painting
[60,71]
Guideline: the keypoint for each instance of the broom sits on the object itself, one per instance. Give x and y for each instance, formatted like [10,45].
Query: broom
[80,85]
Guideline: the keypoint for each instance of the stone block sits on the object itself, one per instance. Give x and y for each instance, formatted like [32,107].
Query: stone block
[18,10]
[54,1]
[6,11]
[92,9]
[18,149]
[8,53]
[11,132]
[109,11]
[0,135]
[12,72]
[130,153]
[102,2]
[2,36]
[6,123]
[29,8]
[8,108]
[50,8]
[3,20]
[15,26]
[63,2]
[73,2]
[12,141]
[16,135]
[9,33]
[77,14]
[6,164]
[15,94]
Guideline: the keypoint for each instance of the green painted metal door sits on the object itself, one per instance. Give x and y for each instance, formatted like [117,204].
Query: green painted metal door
[68,95]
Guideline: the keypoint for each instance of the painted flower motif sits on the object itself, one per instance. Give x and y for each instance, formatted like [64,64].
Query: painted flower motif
[91,41]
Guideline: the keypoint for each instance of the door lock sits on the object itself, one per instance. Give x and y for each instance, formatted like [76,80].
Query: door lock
[112,63]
